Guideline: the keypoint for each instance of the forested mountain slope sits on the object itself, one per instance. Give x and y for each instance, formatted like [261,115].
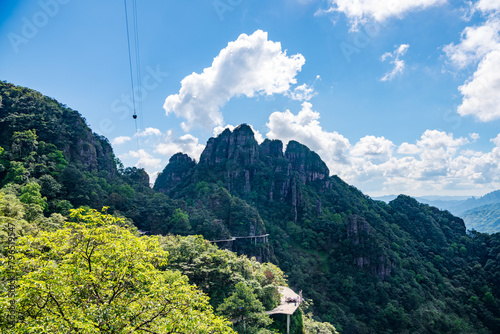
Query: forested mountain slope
[479,213]
[46,173]
[368,266]
[485,218]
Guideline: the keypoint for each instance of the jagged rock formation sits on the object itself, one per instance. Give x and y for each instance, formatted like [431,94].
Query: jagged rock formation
[244,166]
[178,167]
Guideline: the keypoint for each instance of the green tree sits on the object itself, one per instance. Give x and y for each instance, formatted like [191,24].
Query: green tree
[95,276]
[180,222]
[23,143]
[3,162]
[315,327]
[33,201]
[11,211]
[16,173]
[244,308]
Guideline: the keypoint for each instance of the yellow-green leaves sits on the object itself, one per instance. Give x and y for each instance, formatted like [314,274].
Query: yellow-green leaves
[94,276]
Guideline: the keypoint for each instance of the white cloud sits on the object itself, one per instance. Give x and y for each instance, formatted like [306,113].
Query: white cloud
[435,139]
[480,46]
[360,11]
[438,162]
[399,64]
[187,144]
[480,93]
[251,65]
[120,140]
[496,140]
[488,5]
[219,129]
[373,148]
[409,149]
[149,132]
[302,93]
[474,136]
[304,128]
[476,42]
[145,160]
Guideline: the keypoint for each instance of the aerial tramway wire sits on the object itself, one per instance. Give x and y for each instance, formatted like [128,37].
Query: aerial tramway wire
[138,63]
[136,42]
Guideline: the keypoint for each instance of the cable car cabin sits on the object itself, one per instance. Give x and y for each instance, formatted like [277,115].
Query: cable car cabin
[134,116]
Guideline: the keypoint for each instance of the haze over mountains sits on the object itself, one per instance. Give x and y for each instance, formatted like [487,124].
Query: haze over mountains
[481,214]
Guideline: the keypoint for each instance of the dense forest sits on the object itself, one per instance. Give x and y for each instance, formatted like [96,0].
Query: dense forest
[363,265]
[56,176]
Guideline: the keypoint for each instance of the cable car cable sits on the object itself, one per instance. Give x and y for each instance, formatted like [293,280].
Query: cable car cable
[131,72]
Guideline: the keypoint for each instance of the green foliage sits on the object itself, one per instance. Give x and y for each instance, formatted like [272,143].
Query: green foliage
[244,307]
[30,194]
[370,267]
[315,327]
[95,276]
[217,271]
[26,218]
[3,161]
[24,143]
[180,222]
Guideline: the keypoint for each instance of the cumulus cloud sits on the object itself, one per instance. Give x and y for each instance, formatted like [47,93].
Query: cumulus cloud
[488,5]
[480,47]
[145,160]
[480,93]
[409,149]
[436,162]
[120,140]
[360,11]
[149,132]
[187,144]
[476,42]
[474,136]
[496,140]
[305,128]
[373,148]
[302,93]
[252,65]
[395,59]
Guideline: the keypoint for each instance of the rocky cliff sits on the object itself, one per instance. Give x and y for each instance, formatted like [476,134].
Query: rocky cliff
[25,109]
[245,167]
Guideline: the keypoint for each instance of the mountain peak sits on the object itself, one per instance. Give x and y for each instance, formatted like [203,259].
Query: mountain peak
[306,162]
[239,145]
[178,166]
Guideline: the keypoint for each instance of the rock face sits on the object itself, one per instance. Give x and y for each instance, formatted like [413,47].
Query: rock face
[360,233]
[358,230]
[244,166]
[178,167]
[238,146]
[25,109]
[306,163]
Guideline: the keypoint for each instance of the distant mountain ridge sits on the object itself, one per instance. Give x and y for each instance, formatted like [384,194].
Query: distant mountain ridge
[484,218]
[480,214]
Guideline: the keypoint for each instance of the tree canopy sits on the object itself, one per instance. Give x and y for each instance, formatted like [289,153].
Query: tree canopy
[94,275]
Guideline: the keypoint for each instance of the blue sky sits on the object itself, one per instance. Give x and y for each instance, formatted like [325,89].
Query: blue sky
[396,97]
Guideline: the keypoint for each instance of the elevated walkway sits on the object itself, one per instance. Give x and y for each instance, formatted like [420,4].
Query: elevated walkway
[289,303]
[263,237]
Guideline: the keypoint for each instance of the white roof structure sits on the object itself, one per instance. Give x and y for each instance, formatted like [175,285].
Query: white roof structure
[285,306]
